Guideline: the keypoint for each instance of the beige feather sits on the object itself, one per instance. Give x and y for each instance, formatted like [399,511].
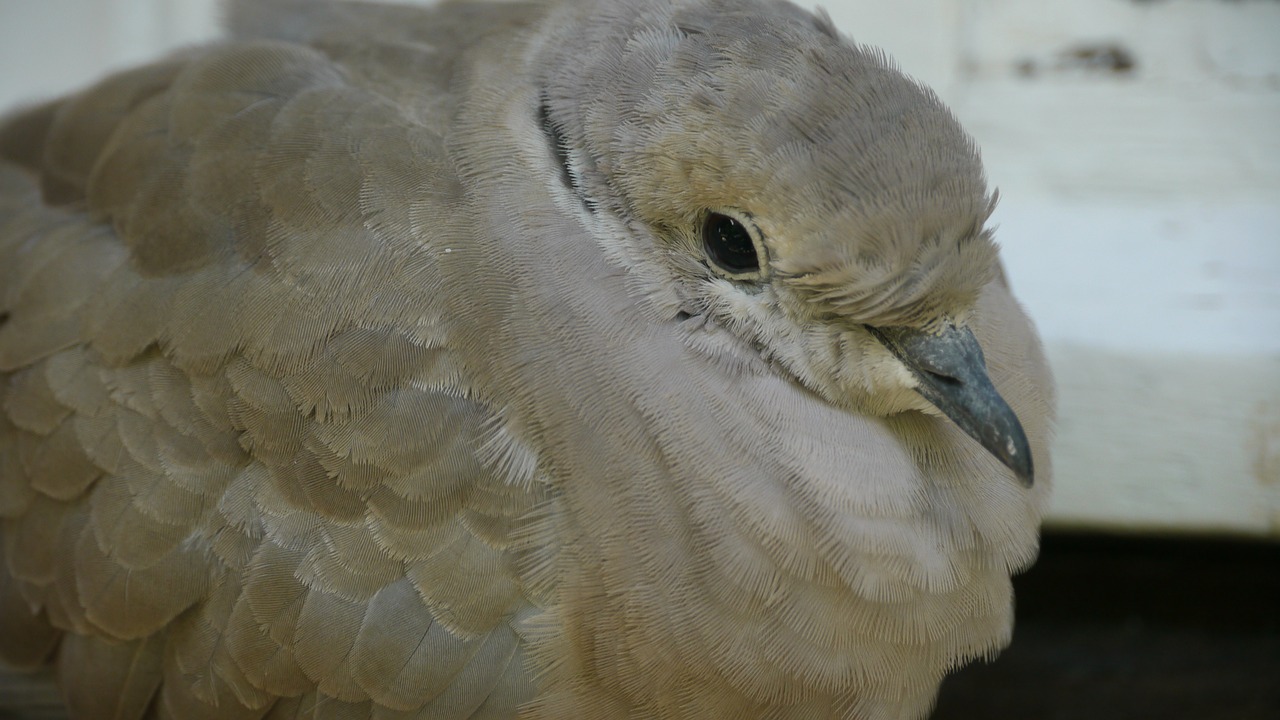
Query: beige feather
[380,362]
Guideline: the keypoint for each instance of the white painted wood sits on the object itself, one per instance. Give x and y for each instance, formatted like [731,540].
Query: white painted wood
[49,47]
[1164,441]
[1141,224]
[1140,214]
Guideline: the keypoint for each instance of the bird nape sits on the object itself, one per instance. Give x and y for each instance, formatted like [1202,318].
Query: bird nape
[494,360]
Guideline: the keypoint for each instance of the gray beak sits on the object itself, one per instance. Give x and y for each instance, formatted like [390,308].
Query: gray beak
[953,376]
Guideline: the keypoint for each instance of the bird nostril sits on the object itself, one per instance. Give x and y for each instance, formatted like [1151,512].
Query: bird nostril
[944,378]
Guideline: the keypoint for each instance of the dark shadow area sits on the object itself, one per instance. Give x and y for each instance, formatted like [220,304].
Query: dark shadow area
[1135,628]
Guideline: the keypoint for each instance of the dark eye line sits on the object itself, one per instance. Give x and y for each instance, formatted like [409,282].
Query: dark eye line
[560,149]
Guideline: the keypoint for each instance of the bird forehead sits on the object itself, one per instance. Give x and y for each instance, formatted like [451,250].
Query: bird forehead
[819,188]
[774,105]
[889,270]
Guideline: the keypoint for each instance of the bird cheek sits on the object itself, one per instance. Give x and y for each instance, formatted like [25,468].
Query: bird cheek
[884,371]
[889,385]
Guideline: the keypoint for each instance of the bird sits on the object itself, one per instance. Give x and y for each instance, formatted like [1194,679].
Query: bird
[555,359]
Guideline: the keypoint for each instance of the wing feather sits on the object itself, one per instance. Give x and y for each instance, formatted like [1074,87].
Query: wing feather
[243,471]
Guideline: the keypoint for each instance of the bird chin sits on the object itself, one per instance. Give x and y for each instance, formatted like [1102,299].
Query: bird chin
[895,401]
[876,398]
[884,387]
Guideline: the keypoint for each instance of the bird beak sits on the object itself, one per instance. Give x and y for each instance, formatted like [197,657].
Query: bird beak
[953,376]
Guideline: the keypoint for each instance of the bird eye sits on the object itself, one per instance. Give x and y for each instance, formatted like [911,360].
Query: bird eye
[728,244]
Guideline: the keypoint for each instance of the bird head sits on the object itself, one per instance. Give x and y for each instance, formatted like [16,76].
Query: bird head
[805,194]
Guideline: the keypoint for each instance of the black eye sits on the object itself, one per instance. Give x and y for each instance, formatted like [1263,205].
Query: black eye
[729,244]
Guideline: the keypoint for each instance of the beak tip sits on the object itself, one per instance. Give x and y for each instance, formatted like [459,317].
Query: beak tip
[952,375]
[1017,457]
[1026,476]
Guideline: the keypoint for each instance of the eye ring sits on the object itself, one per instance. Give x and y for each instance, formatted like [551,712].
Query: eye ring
[732,245]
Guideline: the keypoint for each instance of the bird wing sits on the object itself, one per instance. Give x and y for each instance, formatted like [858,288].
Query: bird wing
[240,459]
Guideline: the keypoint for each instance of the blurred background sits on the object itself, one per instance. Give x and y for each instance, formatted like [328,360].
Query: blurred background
[1136,145]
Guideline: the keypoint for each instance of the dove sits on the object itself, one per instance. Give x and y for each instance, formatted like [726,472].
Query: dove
[509,360]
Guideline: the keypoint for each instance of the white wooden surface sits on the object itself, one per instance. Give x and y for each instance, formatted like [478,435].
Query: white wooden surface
[1137,148]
